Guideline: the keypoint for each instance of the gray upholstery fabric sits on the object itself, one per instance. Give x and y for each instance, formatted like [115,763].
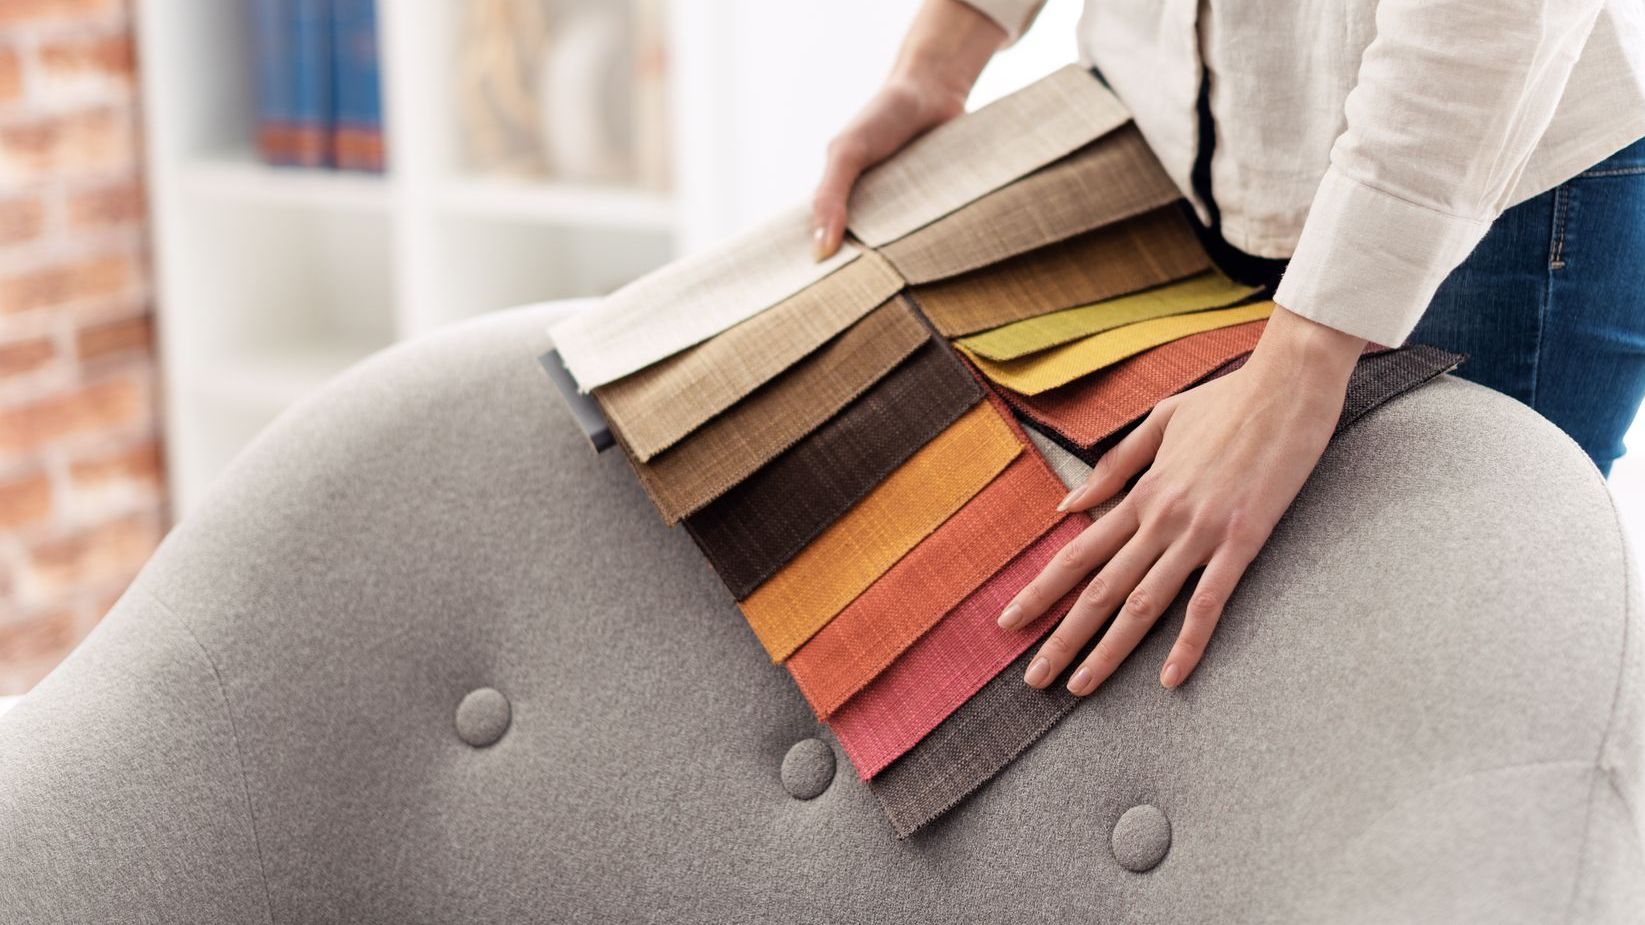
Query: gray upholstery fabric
[1423,704]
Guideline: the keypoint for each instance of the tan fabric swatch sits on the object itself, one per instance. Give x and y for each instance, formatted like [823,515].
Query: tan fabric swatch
[660,404]
[737,443]
[1206,290]
[1148,250]
[1109,180]
[689,301]
[981,151]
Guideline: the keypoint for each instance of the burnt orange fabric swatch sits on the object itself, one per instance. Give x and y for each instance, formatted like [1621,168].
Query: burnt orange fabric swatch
[983,537]
[915,499]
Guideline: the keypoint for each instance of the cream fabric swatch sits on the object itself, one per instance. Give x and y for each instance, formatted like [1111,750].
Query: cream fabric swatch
[691,300]
[1039,372]
[1207,290]
[981,151]
[657,406]
[1110,179]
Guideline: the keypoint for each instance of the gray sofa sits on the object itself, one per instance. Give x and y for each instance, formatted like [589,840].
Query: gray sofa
[423,657]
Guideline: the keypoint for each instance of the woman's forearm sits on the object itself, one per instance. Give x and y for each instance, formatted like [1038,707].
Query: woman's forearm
[949,43]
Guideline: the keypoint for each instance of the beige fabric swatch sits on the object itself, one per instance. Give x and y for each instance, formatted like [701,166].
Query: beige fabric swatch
[1113,178]
[1149,250]
[657,406]
[734,445]
[981,151]
[691,300]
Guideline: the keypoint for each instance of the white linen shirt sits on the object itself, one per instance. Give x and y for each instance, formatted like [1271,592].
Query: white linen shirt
[1371,142]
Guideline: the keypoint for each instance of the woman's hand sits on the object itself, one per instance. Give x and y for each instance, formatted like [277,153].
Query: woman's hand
[1224,460]
[944,51]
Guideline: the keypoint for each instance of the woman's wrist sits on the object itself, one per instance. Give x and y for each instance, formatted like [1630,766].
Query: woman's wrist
[1306,352]
[947,46]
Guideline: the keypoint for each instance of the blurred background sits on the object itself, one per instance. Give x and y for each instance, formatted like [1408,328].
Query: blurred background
[210,207]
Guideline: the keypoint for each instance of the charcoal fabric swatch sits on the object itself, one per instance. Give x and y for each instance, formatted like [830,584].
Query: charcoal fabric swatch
[737,443]
[1014,510]
[1196,293]
[755,528]
[1107,181]
[954,660]
[584,410]
[1048,369]
[1382,377]
[691,300]
[1152,249]
[657,406]
[915,499]
[961,160]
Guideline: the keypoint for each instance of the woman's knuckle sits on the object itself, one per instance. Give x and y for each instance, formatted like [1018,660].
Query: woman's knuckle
[1204,605]
[1142,603]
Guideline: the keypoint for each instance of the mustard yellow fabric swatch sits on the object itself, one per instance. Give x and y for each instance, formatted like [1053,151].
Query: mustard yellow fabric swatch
[1047,369]
[857,549]
[1196,293]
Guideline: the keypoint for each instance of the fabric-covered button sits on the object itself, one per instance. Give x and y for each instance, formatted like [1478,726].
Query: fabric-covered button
[808,769]
[1141,838]
[483,717]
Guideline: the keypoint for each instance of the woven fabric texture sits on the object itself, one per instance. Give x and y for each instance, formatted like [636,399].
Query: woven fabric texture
[691,300]
[1048,369]
[950,663]
[1148,250]
[657,406]
[1381,377]
[934,577]
[858,548]
[1109,180]
[1089,410]
[1197,293]
[759,525]
[981,151]
[737,443]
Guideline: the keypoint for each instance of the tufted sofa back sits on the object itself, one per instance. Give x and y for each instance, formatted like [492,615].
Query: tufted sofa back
[423,657]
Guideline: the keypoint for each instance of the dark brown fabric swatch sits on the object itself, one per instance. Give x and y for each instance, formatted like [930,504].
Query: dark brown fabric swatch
[1007,716]
[760,524]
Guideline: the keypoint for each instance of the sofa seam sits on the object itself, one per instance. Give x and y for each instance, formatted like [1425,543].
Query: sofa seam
[239,752]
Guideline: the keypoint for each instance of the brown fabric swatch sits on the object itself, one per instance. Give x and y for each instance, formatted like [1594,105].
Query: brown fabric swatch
[754,529]
[657,406]
[1152,249]
[1108,180]
[736,444]
[1006,717]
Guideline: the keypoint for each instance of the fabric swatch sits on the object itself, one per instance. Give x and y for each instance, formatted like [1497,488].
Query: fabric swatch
[1382,377]
[951,662]
[1197,293]
[762,523]
[1151,249]
[583,408]
[1108,180]
[858,548]
[981,151]
[657,406]
[736,444]
[1043,371]
[691,300]
[1089,410]
[1015,509]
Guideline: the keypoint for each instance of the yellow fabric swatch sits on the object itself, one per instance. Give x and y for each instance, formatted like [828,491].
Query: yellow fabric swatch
[1196,293]
[857,549]
[1040,372]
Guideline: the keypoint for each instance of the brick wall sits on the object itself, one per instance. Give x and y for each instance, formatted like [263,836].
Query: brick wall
[82,500]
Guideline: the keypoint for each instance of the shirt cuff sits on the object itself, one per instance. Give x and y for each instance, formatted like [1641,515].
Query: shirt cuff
[1368,263]
[1014,16]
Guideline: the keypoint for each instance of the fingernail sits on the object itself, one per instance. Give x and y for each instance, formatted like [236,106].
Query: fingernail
[817,243]
[1039,672]
[1076,684]
[1008,617]
[1171,676]
[1069,499]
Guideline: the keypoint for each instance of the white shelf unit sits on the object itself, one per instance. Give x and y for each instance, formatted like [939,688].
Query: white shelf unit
[272,280]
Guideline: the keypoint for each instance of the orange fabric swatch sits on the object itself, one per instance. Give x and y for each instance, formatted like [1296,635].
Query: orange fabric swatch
[1001,521]
[857,549]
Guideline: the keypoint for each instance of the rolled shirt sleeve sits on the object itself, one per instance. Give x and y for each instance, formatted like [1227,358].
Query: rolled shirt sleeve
[1451,100]
[1014,16]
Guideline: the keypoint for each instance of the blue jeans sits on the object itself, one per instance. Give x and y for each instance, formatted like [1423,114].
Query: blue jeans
[1550,308]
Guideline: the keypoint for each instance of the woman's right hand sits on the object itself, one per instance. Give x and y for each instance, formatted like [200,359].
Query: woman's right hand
[945,50]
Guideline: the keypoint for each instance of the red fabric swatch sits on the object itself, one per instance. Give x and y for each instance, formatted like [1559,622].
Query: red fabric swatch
[952,662]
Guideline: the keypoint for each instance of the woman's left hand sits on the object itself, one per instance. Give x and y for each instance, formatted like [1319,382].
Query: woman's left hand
[1224,460]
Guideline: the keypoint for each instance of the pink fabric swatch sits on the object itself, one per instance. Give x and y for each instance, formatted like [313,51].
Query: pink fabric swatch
[950,663]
